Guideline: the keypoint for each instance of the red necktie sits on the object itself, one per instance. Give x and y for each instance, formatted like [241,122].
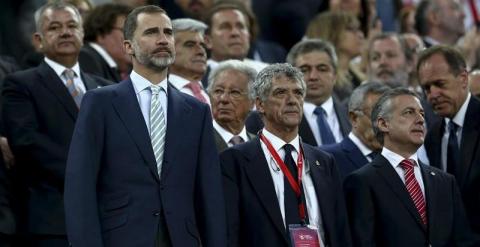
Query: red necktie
[413,188]
[196,90]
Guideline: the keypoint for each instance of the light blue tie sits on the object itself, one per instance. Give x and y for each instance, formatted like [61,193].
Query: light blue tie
[157,126]
[77,94]
[325,131]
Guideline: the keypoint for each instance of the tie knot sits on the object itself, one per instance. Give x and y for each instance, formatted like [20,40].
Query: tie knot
[288,148]
[69,74]
[155,89]
[407,164]
[194,86]
[236,140]
[452,126]
[319,111]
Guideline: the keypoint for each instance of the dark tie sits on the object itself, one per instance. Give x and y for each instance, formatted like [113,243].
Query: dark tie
[413,188]
[453,152]
[292,215]
[325,131]
[196,89]
[236,140]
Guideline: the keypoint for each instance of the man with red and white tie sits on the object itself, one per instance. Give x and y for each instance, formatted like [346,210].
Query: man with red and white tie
[396,200]
[191,59]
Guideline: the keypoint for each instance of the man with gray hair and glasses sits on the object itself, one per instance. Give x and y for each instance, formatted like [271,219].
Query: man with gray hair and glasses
[275,185]
[397,200]
[231,101]
[360,146]
[190,63]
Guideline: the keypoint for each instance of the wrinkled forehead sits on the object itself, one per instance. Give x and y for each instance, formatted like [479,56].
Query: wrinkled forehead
[66,13]
[153,20]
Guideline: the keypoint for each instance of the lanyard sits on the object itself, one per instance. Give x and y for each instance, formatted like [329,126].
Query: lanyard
[295,184]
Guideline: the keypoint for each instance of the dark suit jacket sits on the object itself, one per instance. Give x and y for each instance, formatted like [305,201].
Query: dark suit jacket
[39,116]
[113,194]
[348,156]
[270,52]
[469,173]
[222,145]
[253,213]
[254,124]
[382,213]
[92,62]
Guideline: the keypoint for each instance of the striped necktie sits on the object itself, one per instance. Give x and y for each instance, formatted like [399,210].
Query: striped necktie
[77,94]
[158,126]
[413,188]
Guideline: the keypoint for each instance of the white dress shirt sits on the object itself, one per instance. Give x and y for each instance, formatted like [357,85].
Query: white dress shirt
[332,120]
[180,83]
[111,63]
[59,69]
[313,208]
[227,136]
[395,159]
[144,96]
[459,119]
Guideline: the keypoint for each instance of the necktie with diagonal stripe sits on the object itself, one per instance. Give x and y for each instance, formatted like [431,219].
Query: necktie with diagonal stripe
[158,126]
[77,94]
[413,188]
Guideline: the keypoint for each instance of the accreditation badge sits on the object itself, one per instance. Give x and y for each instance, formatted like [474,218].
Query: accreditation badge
[304,236]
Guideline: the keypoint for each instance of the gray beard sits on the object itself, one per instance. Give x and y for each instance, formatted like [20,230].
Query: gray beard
[156,63]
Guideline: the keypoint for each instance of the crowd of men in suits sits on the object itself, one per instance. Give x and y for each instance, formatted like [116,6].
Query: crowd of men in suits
[163,145]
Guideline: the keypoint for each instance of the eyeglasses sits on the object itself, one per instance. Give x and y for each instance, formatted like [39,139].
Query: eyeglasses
[234,94]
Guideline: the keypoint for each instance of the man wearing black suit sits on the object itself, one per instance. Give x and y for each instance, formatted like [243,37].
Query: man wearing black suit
[324,120]
[40,106]
[397,200]
[231,102]
[360,146]
[103,53]
[260,199]
[143,169]
[453,144]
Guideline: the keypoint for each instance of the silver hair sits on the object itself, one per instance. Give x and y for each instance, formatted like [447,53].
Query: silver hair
[263,82]
[359,95]
[187,24]
[312,45]
[236,65]
[54,6]
[384,108]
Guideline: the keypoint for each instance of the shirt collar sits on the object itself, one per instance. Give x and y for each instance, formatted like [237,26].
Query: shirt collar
[395,158]
[226,135]
[309,107]
[104,54]
[364,149]
[140,83]
[178,81]
[278,143]
[59,69]
[459,118]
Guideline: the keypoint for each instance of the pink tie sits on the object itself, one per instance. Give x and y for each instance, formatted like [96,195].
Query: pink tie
[196,90]
[413,188]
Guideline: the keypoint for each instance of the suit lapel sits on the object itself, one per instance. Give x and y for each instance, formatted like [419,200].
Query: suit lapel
[320,177]
[89,82]
[342,114]
[353,153]
[306,133]
[391,178]
[470,139]
[58,89]
[261,179]
[178,109]
[430,190]
[220,143]
[434,144]
[127,107]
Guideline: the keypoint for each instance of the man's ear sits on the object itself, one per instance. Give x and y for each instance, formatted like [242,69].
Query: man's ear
[37,40]
[208,41]
[127,44]
[259,104]
[353,117]
[382,125]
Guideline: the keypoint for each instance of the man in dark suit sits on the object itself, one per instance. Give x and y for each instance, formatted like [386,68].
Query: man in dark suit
[259,176]
[360,146]
[397,200]
[40,106]
[231,102]
[143,169]
[103,53]
[453,144]
[324,120]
